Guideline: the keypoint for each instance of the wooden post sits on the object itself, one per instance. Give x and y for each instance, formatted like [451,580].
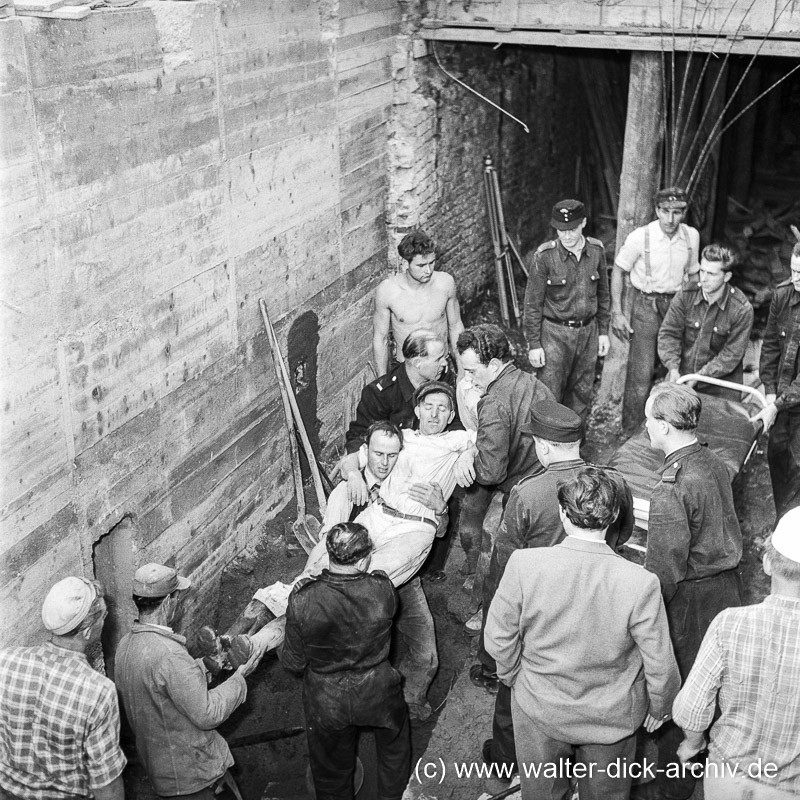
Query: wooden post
[638,184]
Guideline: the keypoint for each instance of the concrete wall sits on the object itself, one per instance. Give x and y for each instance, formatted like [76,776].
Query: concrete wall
[163,167]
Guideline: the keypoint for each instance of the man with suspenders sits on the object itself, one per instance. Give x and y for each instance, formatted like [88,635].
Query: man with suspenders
[655,261]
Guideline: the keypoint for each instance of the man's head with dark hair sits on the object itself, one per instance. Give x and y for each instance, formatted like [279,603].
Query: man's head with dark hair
[488,341]
[719,254]
[671,206]
[347,543]
[675,404]
[485,351]
[425,355]
[590,499]
[415,243]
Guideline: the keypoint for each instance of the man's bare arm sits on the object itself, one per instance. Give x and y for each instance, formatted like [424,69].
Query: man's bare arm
[619,322]
[454,324]
[381,324]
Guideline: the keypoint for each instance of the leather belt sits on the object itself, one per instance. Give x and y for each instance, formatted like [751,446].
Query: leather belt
[570,323]
[393,512]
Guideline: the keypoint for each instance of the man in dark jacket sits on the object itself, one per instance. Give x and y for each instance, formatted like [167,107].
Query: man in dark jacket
[780,372]
[338,633]
[694,545]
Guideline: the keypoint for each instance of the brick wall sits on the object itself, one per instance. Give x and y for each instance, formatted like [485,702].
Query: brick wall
[163,167]
[441,133]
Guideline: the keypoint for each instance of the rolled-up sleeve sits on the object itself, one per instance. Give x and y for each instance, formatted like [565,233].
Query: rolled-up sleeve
[104,757]
[185,683]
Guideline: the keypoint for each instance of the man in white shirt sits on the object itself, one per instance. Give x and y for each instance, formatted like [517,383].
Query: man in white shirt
[654,261]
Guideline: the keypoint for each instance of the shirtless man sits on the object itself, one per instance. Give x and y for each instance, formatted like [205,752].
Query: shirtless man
[416,298]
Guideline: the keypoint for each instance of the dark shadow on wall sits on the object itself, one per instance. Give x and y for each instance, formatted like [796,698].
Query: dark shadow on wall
[302,345]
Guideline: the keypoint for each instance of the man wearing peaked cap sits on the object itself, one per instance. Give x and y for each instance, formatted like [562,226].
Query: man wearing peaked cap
[567,308]
[749,667]
[59,726]
[531,519]
[165,693]
[655,262]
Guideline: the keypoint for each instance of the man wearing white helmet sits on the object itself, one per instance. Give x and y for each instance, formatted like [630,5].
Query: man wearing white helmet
[59,726]
[749,665]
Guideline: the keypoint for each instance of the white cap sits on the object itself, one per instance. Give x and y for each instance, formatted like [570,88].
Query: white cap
[786,536]
[67,604]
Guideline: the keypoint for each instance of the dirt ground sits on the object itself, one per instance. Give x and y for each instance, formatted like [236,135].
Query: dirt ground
[266,734]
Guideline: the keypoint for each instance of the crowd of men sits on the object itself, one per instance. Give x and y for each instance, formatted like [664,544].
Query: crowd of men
[580,648]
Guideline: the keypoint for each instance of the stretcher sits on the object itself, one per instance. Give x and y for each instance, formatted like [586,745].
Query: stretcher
[724,425]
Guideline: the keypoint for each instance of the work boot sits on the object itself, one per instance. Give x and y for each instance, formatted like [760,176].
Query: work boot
[485,680]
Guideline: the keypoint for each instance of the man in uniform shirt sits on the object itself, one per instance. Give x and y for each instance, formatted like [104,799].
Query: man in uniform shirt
[694,546]
[780,372]
[707,327]
[59,718]
[531,519]
[653,260]
[567,308]
[749,664]
[390,397]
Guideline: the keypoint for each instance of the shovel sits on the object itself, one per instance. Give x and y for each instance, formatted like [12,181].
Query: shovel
[306,527]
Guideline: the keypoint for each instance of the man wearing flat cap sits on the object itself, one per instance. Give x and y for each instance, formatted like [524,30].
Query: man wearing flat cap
[59,719]
[748,667]
[532,519]
[165,694]
[654,260]
[567,308]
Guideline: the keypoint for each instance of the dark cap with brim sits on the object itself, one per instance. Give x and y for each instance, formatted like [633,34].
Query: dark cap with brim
[158,580]
[434,387]
[554,422]
[567,214]
[672,198]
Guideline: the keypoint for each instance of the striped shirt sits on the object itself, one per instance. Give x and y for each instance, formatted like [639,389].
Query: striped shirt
[750,656]
[59,724]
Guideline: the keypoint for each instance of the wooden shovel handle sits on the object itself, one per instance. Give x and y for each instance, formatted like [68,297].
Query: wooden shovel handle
[287,411]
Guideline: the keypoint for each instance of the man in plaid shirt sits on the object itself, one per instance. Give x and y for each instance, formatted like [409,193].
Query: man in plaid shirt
[59,726]
[749,663]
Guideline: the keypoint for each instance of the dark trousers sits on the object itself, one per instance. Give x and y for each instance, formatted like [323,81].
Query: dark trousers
[570,360]
[690,612]
[414,639]
[783,457]
[338,704]
[536,749]
[648,312]
[503,750]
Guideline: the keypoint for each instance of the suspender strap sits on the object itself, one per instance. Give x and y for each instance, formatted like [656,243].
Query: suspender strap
[648,273]
[685,232]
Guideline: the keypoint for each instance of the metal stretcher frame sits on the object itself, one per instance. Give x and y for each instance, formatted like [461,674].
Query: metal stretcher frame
[724,425]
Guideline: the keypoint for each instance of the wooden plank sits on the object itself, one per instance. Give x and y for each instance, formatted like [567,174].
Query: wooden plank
[37,5]
[622,41]
[66,12]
